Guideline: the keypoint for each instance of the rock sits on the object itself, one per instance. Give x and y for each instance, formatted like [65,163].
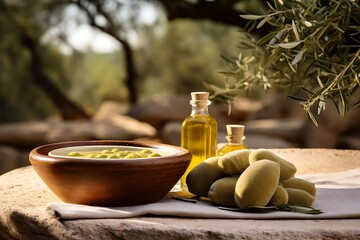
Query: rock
[171,133]
[122,127]
[260,140]
[32,134]
[24,197]
[161,109]
[276,106]
[110,123]
[349,142]
[107,123]
[264,141]
[333,130]
[243,109]
[12,158]
[109,109]
[287,129]
[9,159]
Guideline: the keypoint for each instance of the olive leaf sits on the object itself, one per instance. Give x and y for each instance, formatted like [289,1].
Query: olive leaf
[190,200]
[299,209]
[295,30]
[262,22]
[289,45]
[253,209]
[283,207]
[252,17]
[298,57]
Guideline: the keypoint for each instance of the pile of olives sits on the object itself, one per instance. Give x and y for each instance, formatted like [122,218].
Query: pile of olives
[115,153]
[250,178]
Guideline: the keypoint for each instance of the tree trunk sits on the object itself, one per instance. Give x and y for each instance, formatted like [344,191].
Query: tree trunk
[111,29]
[131,72]
[68,109]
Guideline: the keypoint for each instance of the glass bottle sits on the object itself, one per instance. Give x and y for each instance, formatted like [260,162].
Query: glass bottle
[198,133]
[235,139]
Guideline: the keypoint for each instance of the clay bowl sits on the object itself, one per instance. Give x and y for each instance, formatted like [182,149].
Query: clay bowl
[110,182]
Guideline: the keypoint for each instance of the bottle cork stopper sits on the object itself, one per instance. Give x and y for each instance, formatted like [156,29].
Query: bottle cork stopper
[233,129]
[200,96]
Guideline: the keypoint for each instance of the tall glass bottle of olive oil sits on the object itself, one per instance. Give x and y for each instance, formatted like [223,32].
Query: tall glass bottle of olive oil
[198,132]
[235,139]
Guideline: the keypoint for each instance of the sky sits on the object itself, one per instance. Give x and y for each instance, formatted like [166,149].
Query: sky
[82,37]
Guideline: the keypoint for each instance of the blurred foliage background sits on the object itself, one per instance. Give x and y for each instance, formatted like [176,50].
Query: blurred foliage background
[151,50]
[63,58]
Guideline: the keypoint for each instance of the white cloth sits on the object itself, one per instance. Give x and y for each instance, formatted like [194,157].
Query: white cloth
[338,196]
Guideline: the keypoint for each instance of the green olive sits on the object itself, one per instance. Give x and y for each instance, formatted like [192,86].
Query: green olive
[131,155]
[235,162]
[154,155]
[146,151]
[299,197]
[202,176]
[287,169]
[74,154]
[279,197]
[300,183]
[116,153]
[257,184]
[115,150]
[121,154]
[222,191]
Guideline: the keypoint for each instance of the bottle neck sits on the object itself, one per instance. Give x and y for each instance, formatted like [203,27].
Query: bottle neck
[235,139]
[199,107]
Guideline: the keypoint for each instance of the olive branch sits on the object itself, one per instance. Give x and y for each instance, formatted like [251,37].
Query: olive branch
[313,53]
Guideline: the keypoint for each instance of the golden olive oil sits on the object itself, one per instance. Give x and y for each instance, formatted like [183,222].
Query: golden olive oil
[198,133]
[229,148]
[235,139]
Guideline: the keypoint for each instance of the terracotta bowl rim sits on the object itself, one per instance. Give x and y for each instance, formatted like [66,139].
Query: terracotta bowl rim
[40,154]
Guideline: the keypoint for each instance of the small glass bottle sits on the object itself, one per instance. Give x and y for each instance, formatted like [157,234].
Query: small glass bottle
[235,137]
[198,133]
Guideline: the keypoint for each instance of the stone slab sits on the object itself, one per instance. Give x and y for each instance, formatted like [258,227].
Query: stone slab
[24,195]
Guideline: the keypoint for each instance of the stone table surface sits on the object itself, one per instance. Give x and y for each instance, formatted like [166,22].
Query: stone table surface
[23,196]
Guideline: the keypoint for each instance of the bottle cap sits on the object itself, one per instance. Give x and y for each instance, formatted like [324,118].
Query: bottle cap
[202,96]
[234,129]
